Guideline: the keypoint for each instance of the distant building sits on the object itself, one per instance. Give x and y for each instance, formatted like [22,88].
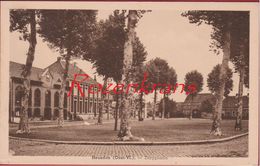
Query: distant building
[148,109]
[229,105]
[194,104]
[179,106]
[179,109]
[45,85]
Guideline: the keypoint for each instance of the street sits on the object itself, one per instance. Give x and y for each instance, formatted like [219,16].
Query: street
[225,149]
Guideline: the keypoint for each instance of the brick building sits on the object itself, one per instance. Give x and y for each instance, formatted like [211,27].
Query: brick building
[44,98]
[229,105]
[194,104]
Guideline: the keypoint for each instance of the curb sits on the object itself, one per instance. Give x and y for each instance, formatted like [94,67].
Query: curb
[134,143]
[82,123]
[66,125]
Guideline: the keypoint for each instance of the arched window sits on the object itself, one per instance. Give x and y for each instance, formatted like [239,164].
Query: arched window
[37,97]
[18,95]
[80,106]
[86,106]
[47,98]
[47,109]
[30,104]
[56,99]
[18,99]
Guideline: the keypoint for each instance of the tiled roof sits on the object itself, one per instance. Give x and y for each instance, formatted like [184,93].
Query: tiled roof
[232,100]
[17,68]
[56,69]
[59,66]
[73,69]
[200,98]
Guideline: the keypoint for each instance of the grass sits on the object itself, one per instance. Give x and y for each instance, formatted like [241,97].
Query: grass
[157,131]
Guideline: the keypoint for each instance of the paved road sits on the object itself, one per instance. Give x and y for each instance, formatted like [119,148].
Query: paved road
[233,148]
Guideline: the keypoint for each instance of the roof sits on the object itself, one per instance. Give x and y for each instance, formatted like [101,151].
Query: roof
[16,69]
[58,67]
[200,98]
[232,100]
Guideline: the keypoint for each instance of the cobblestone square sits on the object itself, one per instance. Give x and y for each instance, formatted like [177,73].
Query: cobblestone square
[233,148]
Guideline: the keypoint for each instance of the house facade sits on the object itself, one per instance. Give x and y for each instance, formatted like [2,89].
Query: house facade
[229,107]
[44,94]
[194,104]
[179,109]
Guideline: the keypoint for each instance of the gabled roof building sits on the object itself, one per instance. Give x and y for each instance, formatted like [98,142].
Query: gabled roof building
[44,98]
[229,107]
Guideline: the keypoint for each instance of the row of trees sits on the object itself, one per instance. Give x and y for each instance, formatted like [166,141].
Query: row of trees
[195,78]
[112,46]
[116,52]
[231,35]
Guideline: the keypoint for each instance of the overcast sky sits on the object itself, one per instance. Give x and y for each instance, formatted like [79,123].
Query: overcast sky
[165,34]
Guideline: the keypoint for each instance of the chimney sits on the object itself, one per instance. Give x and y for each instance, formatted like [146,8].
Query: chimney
[58,59]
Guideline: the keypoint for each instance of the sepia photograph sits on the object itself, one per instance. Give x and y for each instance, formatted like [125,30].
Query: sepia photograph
[122,84]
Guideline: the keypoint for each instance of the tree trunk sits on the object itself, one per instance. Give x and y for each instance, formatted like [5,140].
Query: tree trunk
[116,111]
[163,106]
[191,108]
[100,113]
[216,130]
[108,107]
[238,124]
[154,104]
[24,121]
[93,103]
[125,129]
[140,117]
[63,89]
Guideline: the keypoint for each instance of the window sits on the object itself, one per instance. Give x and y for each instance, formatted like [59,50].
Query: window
[18,95]
[80,106]
[30,98]
[47,98]
[37,97]
[65,100]
[94,107]
[37,112]
[75,106]
[86,106]
[56,99]
[90,107]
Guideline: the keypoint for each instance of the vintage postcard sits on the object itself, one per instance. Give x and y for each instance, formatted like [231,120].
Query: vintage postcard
[133,83]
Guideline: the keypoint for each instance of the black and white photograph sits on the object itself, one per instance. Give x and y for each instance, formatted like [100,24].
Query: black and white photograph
[133,84]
